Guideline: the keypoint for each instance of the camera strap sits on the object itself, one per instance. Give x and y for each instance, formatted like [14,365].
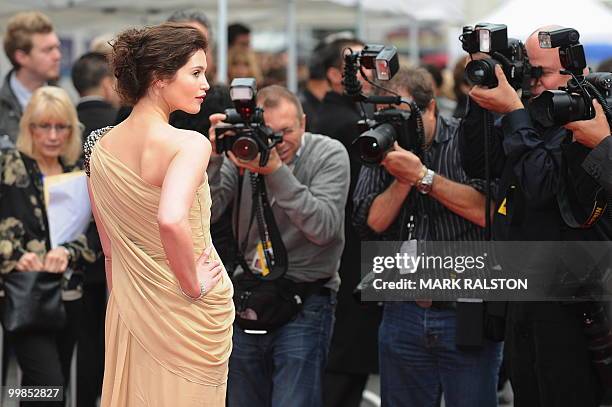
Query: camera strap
[566,195]
[488,131]
[271,249]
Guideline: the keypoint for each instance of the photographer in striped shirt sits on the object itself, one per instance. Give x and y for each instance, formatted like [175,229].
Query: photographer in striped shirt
[419,353]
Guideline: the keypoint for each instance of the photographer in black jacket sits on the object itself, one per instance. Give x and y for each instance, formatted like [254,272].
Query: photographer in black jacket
[546,349]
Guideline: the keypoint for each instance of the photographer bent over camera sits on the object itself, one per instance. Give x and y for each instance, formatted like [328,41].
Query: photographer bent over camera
[546,348]
[305,183]
[419,356]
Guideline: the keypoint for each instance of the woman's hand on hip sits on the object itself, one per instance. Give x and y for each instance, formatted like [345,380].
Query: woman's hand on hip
[208,271]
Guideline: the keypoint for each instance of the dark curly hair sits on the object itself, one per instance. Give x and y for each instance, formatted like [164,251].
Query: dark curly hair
[141,56]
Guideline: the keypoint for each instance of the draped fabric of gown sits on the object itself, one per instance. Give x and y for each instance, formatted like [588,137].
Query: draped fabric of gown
[162,349]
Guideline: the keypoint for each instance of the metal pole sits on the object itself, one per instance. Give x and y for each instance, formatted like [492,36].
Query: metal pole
[222,41]
[292,58]
[414,43]
[360,30]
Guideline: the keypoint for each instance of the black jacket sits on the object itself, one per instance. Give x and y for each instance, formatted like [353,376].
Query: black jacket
[10,113]
[354,342]
[95,114]
[528,160]
[598,164]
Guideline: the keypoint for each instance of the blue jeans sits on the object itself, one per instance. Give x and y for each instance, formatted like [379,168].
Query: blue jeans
[284,367]
[419,361]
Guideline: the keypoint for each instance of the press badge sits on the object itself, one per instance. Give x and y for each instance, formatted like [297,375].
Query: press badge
[259,264]
[408,255]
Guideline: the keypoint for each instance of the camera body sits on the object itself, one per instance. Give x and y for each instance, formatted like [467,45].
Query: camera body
[244,131]
[574,101]
[382,131]
[509,53]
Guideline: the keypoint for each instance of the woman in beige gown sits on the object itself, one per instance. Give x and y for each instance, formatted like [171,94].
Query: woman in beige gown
[170,312]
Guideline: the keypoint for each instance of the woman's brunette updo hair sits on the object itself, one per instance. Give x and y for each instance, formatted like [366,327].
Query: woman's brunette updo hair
[141,56]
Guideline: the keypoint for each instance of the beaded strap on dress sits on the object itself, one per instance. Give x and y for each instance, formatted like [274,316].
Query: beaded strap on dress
[91,141]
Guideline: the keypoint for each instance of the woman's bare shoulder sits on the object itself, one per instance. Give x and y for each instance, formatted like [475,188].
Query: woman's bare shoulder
[187,140]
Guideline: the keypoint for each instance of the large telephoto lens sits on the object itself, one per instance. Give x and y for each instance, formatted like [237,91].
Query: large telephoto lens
[373,144]
[245,148]
[482,72]
[558,107]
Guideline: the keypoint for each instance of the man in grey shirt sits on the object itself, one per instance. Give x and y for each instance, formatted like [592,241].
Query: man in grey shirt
[307,181]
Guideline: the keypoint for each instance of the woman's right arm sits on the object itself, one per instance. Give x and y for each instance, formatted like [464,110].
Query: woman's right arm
[184,175]
[104,240]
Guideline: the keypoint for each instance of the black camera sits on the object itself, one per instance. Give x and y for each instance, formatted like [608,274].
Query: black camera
[387,126]
[509,53]
[574,101]
[379,134]
[244,131]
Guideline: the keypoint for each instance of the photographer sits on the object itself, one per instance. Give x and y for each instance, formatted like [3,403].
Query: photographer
[419,356]
[306,181]
[546,350]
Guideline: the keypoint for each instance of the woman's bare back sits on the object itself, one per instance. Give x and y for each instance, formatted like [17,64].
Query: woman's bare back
[146,150]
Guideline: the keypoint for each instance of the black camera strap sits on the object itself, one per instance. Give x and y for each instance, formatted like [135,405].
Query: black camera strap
[488,131]
[274,250]
[566,195]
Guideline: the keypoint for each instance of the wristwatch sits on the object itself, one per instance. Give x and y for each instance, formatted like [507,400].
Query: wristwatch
[424,185]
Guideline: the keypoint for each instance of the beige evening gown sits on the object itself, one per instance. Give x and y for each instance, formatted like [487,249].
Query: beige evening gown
[162,350]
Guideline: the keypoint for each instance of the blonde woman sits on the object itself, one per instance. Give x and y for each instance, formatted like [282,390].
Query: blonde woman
[49,143]
[242,63]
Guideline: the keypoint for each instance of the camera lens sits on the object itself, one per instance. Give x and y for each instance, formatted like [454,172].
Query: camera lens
[245,149]
[373,144]
[482,72]
[557,107]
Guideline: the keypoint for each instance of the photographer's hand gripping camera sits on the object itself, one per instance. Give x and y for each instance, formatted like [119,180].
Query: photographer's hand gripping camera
[387,126]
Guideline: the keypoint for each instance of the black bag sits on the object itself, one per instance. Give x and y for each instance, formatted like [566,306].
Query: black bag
[33,302]
[265,305]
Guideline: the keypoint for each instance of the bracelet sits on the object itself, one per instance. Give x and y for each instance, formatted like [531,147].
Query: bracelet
[68,253]
[199,297]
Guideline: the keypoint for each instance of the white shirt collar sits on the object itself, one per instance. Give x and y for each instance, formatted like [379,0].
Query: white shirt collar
[22,93]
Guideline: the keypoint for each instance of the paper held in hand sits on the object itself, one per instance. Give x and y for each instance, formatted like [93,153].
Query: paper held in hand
[68,206]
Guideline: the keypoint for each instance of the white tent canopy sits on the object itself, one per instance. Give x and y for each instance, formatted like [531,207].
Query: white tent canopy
[420,10]
[591,18]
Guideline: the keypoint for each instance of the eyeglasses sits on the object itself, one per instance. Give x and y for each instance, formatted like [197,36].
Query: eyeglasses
[47,127]
[288,130]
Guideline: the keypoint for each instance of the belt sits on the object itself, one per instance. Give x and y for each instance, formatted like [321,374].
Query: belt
[322,291]
[439,305]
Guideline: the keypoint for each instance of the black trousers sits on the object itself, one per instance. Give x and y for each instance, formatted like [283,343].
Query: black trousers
[90,352]
[344,389]
[547,357]
[44,358]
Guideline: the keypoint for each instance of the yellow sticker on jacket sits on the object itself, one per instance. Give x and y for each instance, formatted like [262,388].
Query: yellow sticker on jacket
[502,208]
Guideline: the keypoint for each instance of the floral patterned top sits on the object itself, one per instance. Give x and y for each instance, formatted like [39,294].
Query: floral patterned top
[23,219]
